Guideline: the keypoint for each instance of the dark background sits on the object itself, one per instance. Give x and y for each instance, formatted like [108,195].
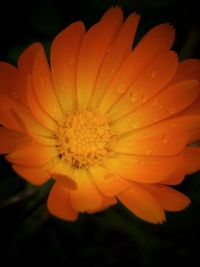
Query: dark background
[28,234]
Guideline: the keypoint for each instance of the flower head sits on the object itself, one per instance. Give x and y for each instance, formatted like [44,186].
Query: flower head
[107,122]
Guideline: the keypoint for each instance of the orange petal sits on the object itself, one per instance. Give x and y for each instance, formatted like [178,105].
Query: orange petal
[12,83]
[92,52]
[107,202]
[64,57]
[62,172]
[193,109]
[168,198]
[178,175]
[86,197]
[6,116]
[141,203]
[156,145]
[194,136]
[109,184]
[26,59]
[17,117]
[192,159]
[36,176]
[59,203]
[43,86]
[187,70]
[141,168]
[64,180]
[10,140]
[31,154]
[172,125]
[150,82]
[37,110]
[166,104]
[154,44]
[119,49]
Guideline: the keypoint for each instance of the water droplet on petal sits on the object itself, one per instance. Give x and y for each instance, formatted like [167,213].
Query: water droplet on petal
[121,88]
[108,50]
[172,110]
[148,152]
[153,74]
[135,124]
[160,107]
[143,98]
[108,178]
[71,60]
[166,139]
[133,97]
[172,125]
[139,162]
[54,109]
[64,87]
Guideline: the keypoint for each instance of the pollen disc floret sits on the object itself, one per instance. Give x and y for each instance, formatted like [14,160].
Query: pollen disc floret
[84,138]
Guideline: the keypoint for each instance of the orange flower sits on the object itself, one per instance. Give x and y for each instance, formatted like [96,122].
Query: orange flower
[106,122]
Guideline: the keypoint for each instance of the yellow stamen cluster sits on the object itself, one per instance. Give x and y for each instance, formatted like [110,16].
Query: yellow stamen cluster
[83,138]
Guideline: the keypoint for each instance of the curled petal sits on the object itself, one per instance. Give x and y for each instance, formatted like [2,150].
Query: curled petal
[86,197]
[59,203]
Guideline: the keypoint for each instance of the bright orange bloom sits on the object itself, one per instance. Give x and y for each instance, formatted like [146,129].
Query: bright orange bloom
[106,122]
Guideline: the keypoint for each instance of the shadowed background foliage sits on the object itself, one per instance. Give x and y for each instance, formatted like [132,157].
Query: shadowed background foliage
[28,234]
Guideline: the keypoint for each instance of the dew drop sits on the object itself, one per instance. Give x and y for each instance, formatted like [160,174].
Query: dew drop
[108,178]
[153,74]
[172,110]
[148,152]
[166,139]
[172,125]
[135,124]
[160,107]
[121,88]
[71,60]
[64,87]
[108,50]
[139,162]
[143,98]
[54,109]
[133,97]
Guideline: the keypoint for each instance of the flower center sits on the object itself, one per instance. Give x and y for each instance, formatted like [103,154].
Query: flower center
[83,138]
